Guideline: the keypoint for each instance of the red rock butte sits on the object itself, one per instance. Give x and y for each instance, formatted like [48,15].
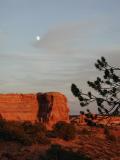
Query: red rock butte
[48,108]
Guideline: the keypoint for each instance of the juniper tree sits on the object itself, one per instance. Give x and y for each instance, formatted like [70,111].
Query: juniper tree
[107,88]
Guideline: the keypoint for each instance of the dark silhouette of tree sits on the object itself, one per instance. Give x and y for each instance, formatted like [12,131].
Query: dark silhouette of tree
[107,87]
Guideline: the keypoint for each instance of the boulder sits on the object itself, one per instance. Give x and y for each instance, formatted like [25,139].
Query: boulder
[48,108]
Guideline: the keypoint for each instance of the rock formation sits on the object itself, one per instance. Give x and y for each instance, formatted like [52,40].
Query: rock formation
[48,108]
[53,107]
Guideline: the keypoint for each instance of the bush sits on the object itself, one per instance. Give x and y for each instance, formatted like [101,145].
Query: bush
[37,132]
[106,131]
[12,133]
[109,136]
[25,133]
[64,130]
[112,138]
[33,129]
[2,122]
[59,153]
[41,138]
[85,131]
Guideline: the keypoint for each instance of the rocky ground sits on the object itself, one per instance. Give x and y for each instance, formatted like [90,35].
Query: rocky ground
[92,142]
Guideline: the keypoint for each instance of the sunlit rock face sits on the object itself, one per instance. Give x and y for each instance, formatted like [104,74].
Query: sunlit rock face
[19,107]
[48,108]
[53,107]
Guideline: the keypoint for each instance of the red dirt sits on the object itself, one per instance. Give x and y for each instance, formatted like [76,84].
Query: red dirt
[90,141]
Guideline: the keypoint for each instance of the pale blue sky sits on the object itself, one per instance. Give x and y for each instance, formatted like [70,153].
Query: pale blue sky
[74,33]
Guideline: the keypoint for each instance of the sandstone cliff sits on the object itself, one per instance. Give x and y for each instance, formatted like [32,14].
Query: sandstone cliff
[48,108]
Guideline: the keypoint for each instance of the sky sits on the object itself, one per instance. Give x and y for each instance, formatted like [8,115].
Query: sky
[73,35]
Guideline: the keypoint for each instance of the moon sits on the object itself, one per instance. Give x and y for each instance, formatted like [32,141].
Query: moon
[38,38]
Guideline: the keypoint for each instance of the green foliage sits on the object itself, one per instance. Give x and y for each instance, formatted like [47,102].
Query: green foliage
[108,88]
[90,122]
[64,130]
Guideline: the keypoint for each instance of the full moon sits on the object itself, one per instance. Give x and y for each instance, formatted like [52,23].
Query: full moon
[37,38]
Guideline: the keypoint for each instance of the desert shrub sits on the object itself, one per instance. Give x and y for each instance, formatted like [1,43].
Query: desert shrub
[41,138]
[108,134]
[90,122]
[12,133]
[85,131]
[25,133]
[37,132]
[106,131]
[7,155]
[2,122]
[64,130]
[51,134]
[33,128]
[56,152]
[111,137]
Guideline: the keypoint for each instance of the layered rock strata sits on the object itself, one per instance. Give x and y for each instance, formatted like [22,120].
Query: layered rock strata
[48,108]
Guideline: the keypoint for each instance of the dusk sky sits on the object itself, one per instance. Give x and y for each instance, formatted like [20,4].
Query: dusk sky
[72,35]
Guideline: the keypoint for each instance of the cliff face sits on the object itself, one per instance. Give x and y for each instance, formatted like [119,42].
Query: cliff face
[48,108]
[53,107]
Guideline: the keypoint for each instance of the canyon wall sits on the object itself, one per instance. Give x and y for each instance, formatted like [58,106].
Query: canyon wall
[48,108]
